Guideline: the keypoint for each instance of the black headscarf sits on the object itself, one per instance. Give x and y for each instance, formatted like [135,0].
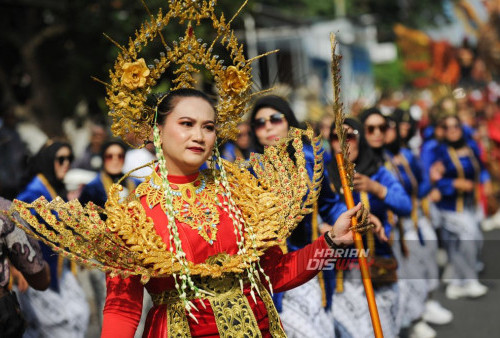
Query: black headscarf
[366,163]
[395,146]
[379,152]
[105,147]
[461,142]
[275,102]
[399,115]
[43,163]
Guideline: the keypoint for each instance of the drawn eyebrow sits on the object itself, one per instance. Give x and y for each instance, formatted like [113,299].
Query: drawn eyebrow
[191,119]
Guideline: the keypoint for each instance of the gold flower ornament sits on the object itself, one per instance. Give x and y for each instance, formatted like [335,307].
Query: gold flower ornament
[236,81]
[135,74]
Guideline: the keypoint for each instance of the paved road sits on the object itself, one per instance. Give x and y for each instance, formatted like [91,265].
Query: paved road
[477,317]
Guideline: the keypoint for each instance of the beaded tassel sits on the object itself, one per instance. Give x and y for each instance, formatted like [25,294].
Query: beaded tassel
[185,278]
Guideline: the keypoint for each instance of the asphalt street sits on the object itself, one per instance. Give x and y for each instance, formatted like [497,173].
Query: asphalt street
[477,317]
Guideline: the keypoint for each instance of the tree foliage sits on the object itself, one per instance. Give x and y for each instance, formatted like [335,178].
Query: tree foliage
[51,48]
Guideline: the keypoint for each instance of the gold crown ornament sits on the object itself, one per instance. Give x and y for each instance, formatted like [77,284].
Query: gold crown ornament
[133,79]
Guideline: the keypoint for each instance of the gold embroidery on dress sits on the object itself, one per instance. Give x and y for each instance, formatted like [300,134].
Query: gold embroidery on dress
[233,314]
[194,203]
[275,327]
[177,323]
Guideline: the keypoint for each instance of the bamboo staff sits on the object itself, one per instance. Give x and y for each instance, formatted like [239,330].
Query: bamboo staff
[346,172]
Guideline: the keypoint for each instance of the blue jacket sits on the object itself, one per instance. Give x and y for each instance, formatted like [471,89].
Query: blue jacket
[34,190]
[96,192]
[396,200]
[445,185]
[330,207]
[424,184]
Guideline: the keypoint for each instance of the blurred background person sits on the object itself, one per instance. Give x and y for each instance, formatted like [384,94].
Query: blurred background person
[62,310]
[381,193]
[113,159]
[91,158]
[460,212]
[242,147]
[96,191]
[416,240]
[304,311]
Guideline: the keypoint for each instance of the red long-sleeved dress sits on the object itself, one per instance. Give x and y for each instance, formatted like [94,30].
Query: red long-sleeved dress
[123,306]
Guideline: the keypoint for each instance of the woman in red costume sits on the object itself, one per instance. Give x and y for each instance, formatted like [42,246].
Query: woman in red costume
[205,244]
[186,123]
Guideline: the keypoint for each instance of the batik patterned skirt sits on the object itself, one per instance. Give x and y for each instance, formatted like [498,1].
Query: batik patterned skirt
[303,314]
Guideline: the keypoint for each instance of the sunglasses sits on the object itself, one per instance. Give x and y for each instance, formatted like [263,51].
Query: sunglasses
[275,119]
[62,159]
[450,126]
[348,136]
[371,129]
[108,157]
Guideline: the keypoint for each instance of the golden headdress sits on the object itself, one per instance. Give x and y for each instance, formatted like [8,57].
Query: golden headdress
[132,79]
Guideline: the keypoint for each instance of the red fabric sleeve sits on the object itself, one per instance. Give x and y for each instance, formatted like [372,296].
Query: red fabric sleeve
[290,270]
[123,308]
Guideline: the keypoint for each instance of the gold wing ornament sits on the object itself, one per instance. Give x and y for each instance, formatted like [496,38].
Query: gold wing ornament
[272,191]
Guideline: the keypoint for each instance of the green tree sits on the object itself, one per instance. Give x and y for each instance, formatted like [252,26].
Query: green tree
[51,48]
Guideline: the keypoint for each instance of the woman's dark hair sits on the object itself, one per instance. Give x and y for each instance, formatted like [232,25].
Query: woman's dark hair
[275,102]
[43,163]
[365,114]
[166,101]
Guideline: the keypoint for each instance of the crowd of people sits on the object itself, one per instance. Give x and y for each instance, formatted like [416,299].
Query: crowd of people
[428,177]
[423,177]
[250,237]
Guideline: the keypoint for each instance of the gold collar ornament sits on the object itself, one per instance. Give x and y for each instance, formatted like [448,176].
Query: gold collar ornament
[194,202]
[133,79]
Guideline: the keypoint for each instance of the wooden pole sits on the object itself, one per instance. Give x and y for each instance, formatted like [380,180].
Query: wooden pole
[358,242]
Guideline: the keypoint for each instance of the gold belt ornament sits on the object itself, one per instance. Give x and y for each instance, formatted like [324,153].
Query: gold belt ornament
[233,314]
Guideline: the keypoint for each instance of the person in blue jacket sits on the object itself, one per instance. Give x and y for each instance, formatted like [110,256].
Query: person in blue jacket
[417,238]
[385,197]
[303,310]
[459,208]
[113,157]
[62,310]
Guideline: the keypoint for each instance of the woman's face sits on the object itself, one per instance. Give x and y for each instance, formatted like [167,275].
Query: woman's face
[375,128]
[188,135]
[62,162]
[390,134]
[243,140]
[352,137]
[113,159]
[404,129]
[270,125]
[452,129]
